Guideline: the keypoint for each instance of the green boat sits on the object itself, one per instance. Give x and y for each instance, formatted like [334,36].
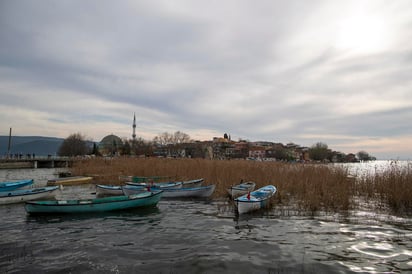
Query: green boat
[144,179]
[144,199]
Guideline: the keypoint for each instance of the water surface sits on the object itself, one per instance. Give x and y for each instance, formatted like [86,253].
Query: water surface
[198,236]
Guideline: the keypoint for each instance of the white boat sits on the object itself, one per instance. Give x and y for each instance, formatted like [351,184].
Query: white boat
[192,183]
[103,190]
[192,192]
[22,195]
[255,200]
[132,189]
[241,189]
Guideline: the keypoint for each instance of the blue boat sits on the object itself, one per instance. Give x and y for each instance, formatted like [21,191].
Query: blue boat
[8,186]
[255,200]
[143,199]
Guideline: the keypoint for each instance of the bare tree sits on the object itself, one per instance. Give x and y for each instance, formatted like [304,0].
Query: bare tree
[172,143]
[180,138]
[74,145]
[163,139]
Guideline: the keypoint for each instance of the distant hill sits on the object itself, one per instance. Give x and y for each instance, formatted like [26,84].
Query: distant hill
[39,145]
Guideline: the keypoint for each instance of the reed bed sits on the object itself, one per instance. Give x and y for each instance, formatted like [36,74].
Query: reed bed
[305,187]
[309,187]
[390,188]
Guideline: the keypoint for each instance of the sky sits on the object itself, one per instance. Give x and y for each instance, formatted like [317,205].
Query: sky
[336,72]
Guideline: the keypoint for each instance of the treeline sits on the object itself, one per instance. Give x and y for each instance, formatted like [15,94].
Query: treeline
[179,144]
[321,152]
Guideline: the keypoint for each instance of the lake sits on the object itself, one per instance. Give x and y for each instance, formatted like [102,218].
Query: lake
[198,236]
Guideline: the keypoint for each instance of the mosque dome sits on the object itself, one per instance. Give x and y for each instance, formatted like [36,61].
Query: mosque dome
[110,144]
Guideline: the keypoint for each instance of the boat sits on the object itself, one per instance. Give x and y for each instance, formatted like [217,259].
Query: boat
[72,180]
[158,185]
[111,203]
[192,192]
[241,189]
[255,200]
[8,186]
[143,179]
[22,195]
[192,183]
[102,190]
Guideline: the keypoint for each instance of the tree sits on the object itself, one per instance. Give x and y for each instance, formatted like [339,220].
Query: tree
[171,143]
[74,145]
[319,152]
[127,148]
[142,147]
[281,153]
[171,139]
[364,156]
[95,150]
[163,139]
[180,138]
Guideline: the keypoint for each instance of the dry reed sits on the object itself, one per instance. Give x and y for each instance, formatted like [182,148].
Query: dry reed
[306,187]
[391,188]
[309,187]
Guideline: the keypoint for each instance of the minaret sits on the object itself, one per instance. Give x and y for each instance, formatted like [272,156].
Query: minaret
[134,127]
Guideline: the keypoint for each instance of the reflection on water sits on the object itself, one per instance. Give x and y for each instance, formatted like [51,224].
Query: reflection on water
[191,236]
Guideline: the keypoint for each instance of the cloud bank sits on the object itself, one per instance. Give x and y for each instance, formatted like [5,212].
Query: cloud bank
[294,71]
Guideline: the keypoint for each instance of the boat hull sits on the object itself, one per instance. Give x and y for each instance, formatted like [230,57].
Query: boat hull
[192,183]
[69,181]
[142,179]
[9,186]
[255,200]
[23,195]
[102,190]
[113,203]
[158,185]
[241,189]
[195,192]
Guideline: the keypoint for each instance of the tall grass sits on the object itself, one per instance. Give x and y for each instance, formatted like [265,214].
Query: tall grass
[309,187]
[391,187]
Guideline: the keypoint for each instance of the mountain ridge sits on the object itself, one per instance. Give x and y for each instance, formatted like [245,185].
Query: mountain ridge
[38,145]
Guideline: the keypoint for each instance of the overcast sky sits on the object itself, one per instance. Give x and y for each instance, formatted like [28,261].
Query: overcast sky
[337,72]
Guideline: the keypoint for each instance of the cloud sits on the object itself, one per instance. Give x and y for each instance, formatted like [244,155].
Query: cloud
[271,70]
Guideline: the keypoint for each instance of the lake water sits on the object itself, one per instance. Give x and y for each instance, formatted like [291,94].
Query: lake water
[191,236]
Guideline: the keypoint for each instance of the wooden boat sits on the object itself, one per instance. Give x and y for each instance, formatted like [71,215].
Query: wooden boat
[22,195]
[8,186]
[73,180]
[193,192]
[102,190]
[111,203]
[241,189]
[158,185]
[255,200]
